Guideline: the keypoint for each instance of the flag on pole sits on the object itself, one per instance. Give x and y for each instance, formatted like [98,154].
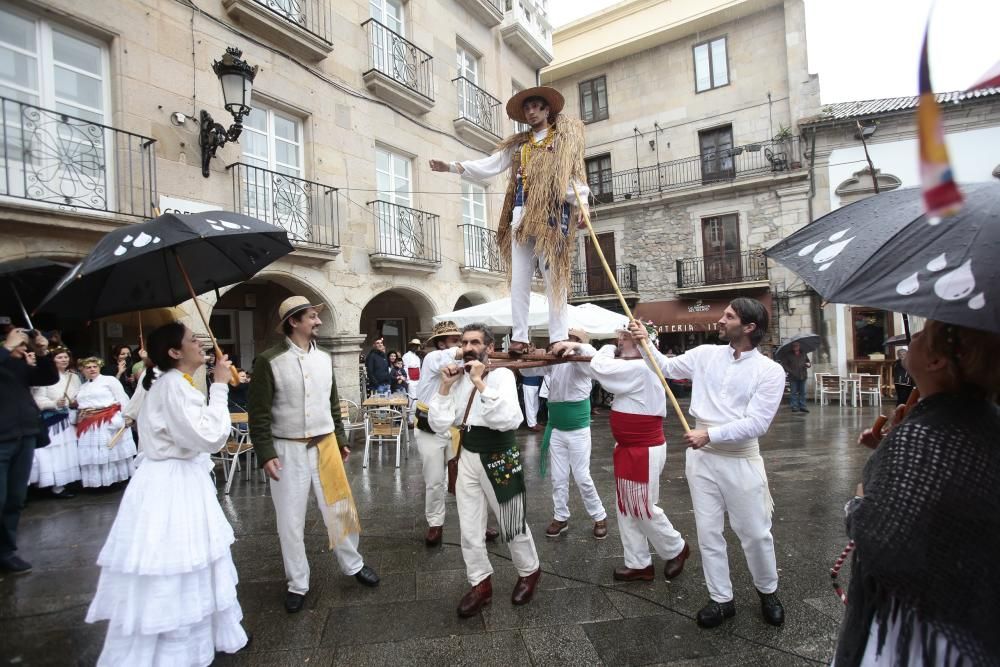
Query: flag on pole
[989,80]
[941,195]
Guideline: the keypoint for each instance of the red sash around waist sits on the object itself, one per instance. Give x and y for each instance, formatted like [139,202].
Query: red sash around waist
[631,430]
[413,373]
[96,418]
[634,434]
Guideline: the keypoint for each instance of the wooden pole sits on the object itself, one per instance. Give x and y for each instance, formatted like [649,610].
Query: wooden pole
[234,379]
[628,311]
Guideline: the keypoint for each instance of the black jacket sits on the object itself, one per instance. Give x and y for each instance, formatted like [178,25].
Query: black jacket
[18,412]
[377,365]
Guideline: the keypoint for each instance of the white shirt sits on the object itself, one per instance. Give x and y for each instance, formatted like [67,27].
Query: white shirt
[496,407]
[430,373]
[567,382]
[636,388]
[101,392]
[411,360]
[738,398]
[176,423]
[46,397]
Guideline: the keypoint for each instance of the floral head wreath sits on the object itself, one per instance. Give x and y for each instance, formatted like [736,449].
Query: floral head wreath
[86,361]
[59,349]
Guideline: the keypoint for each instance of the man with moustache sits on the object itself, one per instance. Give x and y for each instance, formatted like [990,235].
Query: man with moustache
[736,393]
[490,474]
[293,404]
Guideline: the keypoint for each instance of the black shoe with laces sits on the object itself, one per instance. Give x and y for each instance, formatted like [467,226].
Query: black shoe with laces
[771,608]
[714,613]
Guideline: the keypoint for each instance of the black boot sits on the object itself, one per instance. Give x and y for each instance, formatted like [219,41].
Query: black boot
[771,609]
[714,613]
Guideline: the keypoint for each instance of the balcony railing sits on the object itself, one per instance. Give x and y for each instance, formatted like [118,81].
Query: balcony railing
[722,269]
[481,249]
[478,106]
[399,59]
[595,282]
[706,169]
[313,16]
[406,233]
[308,211]
[60,160]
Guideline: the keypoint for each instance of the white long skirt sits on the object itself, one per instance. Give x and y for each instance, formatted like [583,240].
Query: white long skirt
[57,464]
[101,466]
[168,583]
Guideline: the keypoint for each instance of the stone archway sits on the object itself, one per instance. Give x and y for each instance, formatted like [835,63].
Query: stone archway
[398,315]
[469,299]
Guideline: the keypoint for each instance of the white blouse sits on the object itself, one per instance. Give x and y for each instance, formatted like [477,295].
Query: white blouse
[46,397]
[177,424]
[101,392]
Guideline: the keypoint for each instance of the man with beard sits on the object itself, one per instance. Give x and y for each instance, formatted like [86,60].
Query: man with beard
[293,405]
[736,393]
[639,456]
[490,474]
[546,172]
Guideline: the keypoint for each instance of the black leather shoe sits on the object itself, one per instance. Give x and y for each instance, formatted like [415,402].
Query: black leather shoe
[367,576]
[714,613]
[14,565]
[803,410]
[294,602]
[771,609]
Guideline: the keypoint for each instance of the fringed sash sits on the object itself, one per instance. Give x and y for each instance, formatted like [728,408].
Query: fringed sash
[98,417]
[336,489]
[634,435]
[501,459]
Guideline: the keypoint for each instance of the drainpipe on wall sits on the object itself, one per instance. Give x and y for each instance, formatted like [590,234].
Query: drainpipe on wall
[815,305]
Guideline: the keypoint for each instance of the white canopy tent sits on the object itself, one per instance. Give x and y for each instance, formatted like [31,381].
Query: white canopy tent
[596,321]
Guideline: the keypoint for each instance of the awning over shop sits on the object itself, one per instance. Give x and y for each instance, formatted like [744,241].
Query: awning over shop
[689,315]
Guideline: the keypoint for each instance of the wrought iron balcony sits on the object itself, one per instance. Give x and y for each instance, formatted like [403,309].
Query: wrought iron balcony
[594,282]
[406,234]
[398,69]
[723,269]
[59,160]
[478,106]
[303,27]
[490,12]
[308,211]
[707,169]
[481,250]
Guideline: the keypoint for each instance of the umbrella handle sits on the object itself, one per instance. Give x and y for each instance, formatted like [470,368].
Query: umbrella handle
[234,376]
[628,311]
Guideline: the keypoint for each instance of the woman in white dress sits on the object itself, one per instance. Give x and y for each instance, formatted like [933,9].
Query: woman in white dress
[57,464]
[168,583]
[100,404]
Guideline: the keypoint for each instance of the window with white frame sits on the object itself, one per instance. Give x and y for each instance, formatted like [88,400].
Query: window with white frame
[59,71]
[400,229]
[389,13]
[273,169]
[480,245]
[467,67]
[711,67]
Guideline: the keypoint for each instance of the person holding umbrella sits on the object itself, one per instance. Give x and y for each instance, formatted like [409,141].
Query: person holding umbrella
[796,364]
[926,518]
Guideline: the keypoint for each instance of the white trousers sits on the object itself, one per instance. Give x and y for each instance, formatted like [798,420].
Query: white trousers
[522,269]
[569,451]
[638,534]
[474,496]
[411,389]
[721,484]
[530,404]
[435,450]
[300,473]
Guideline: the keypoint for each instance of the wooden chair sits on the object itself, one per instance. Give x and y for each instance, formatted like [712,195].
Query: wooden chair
[239,445]
[870,386]
[830,385]
[383,425]
[353,418]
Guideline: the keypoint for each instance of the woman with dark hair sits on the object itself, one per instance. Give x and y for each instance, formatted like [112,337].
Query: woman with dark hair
[926,517]
[120,366]
[168,584]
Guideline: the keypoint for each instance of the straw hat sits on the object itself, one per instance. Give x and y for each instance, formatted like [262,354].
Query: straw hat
[446,328]
[415,341]
[516,103]
[293,305]
[581,334]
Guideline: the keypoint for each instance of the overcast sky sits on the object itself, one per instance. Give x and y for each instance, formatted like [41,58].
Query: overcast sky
[865,49]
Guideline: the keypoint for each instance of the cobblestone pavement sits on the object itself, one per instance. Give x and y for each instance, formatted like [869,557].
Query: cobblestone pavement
[579,616]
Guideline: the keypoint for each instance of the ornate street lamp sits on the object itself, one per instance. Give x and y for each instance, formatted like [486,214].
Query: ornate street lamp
[237,78]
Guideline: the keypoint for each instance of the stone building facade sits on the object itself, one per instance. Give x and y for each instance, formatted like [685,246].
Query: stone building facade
[693,155]
[102,108]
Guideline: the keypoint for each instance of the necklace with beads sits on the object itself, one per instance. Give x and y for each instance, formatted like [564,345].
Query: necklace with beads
[528,148]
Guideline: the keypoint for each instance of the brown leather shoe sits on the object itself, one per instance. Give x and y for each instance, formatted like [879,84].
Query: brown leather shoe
[628,574]
[675,565]
[556,528]
[518,347]
[433,537]
[601,529]
[524,589]
[478,597]
[492,534]
[536,428]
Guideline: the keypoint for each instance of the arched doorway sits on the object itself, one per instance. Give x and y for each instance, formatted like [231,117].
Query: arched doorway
[469,299]
[397,315]
[244,318]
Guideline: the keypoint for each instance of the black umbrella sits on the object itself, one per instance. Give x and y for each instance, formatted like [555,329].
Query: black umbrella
[166,261]
[808,342]
[883,252]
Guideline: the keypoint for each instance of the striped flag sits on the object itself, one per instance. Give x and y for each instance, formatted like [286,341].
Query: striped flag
[989,80]
[941,195]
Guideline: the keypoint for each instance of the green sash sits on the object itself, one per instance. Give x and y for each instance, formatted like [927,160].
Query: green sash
[565,416]
[501,459]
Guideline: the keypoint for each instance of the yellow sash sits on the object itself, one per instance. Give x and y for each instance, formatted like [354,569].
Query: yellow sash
[336,490]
